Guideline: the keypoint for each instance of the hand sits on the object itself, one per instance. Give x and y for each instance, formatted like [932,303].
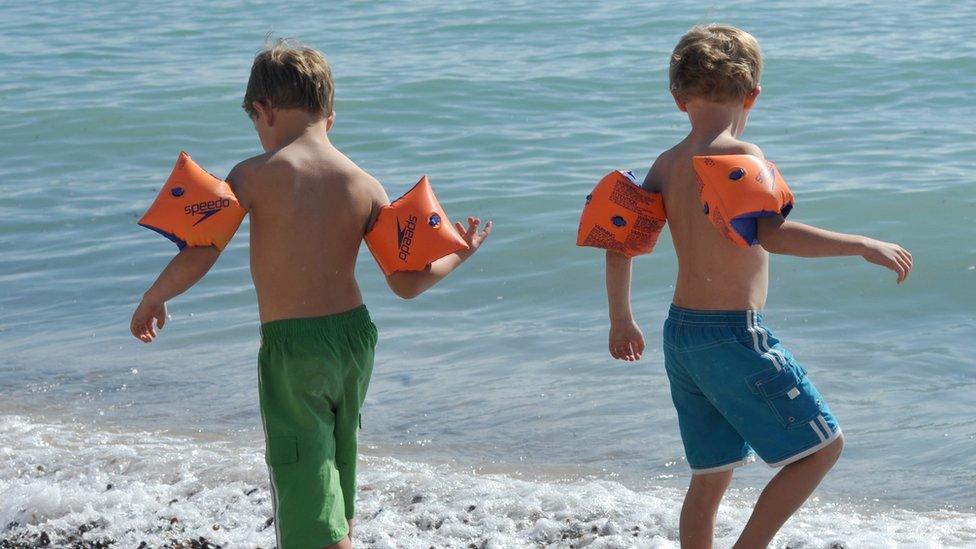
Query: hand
[142,326]
[472,236]
[889,255]
[626,341]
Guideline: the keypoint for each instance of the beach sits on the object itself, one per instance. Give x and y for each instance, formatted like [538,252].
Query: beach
[495,416]
[164,490]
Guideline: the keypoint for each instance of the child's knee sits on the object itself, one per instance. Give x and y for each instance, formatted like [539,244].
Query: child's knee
[712,482]
[829,454]
[836,447]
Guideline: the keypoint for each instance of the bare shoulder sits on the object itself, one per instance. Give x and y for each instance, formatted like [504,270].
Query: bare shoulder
[657,175]
[376,195]
[363,189]
[243,176]
[361,184]
[737,147]
[371,187]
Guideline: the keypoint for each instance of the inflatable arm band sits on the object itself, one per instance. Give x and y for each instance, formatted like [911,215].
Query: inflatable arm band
[412,232]
[736,190]
[194,208]
[621,216]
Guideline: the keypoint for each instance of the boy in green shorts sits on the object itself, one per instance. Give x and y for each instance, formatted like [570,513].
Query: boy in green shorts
[737,391]
[310,207]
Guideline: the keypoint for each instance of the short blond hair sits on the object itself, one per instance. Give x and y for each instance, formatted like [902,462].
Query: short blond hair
[719,63]
[287,75]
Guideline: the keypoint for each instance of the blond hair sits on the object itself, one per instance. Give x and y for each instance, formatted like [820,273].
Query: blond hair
[719,63]
[286,75]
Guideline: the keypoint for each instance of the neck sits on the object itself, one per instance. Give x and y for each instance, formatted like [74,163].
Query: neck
[709,120]
[292,125]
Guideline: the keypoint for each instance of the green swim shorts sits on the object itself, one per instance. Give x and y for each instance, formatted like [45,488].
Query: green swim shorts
[312,379]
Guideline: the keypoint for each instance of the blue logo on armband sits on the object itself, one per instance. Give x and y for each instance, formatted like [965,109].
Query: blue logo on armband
[618,221]
[405,236]
[206,209]
[177,192]
[434,221]
[737,174]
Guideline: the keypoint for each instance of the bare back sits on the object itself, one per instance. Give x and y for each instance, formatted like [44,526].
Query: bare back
[713,274]
[309,206]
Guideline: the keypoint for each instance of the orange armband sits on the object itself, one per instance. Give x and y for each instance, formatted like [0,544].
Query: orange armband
[194,208]
[736,190]
[412,232]
[621,216]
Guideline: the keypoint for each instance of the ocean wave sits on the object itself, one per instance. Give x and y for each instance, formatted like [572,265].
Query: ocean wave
[79,485]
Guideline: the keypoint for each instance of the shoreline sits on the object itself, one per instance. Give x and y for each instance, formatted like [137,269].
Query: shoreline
[459,458]
[82,487]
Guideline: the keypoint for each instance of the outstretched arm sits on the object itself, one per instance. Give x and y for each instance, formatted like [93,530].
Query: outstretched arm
[626,339]
[779,236]
[410,284]
[185,270]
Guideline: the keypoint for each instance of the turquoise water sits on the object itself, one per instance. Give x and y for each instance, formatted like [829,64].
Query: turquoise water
[514,110]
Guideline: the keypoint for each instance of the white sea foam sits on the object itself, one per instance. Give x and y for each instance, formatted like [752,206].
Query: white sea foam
[514,109]
[73,480]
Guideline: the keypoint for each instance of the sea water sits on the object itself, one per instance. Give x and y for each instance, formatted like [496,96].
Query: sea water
[495,389]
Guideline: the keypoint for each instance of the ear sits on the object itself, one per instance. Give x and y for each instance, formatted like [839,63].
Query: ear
[682,104]
[330,121]
[264,112]
[751,98]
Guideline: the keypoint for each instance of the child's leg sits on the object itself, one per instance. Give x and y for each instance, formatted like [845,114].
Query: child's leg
[313,374]
[786,493]
[756,393]
[713,447]
[344,543]
[701,504]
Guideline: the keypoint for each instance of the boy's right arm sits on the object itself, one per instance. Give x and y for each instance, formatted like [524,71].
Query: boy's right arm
[779,236]
[626,339]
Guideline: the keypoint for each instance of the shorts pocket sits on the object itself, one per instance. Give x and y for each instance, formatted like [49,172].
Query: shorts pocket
[282,450]
[788,395]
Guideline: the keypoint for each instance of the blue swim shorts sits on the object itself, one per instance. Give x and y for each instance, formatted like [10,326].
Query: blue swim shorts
[737,390]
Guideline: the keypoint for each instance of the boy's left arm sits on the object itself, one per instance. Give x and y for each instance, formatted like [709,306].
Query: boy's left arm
[410,284]
[780,236]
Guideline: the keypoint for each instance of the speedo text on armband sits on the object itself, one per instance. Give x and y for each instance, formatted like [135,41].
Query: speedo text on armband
[405,236]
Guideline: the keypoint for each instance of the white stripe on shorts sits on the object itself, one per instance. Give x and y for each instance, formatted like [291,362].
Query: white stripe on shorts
[823,423]
[774,352]
[764,350]
[755,338]
[817,430]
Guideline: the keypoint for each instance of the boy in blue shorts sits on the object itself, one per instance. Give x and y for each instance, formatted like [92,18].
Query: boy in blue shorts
[736,389]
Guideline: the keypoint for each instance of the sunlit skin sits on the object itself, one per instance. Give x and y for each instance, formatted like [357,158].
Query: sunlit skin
[310,206]
[713,274]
